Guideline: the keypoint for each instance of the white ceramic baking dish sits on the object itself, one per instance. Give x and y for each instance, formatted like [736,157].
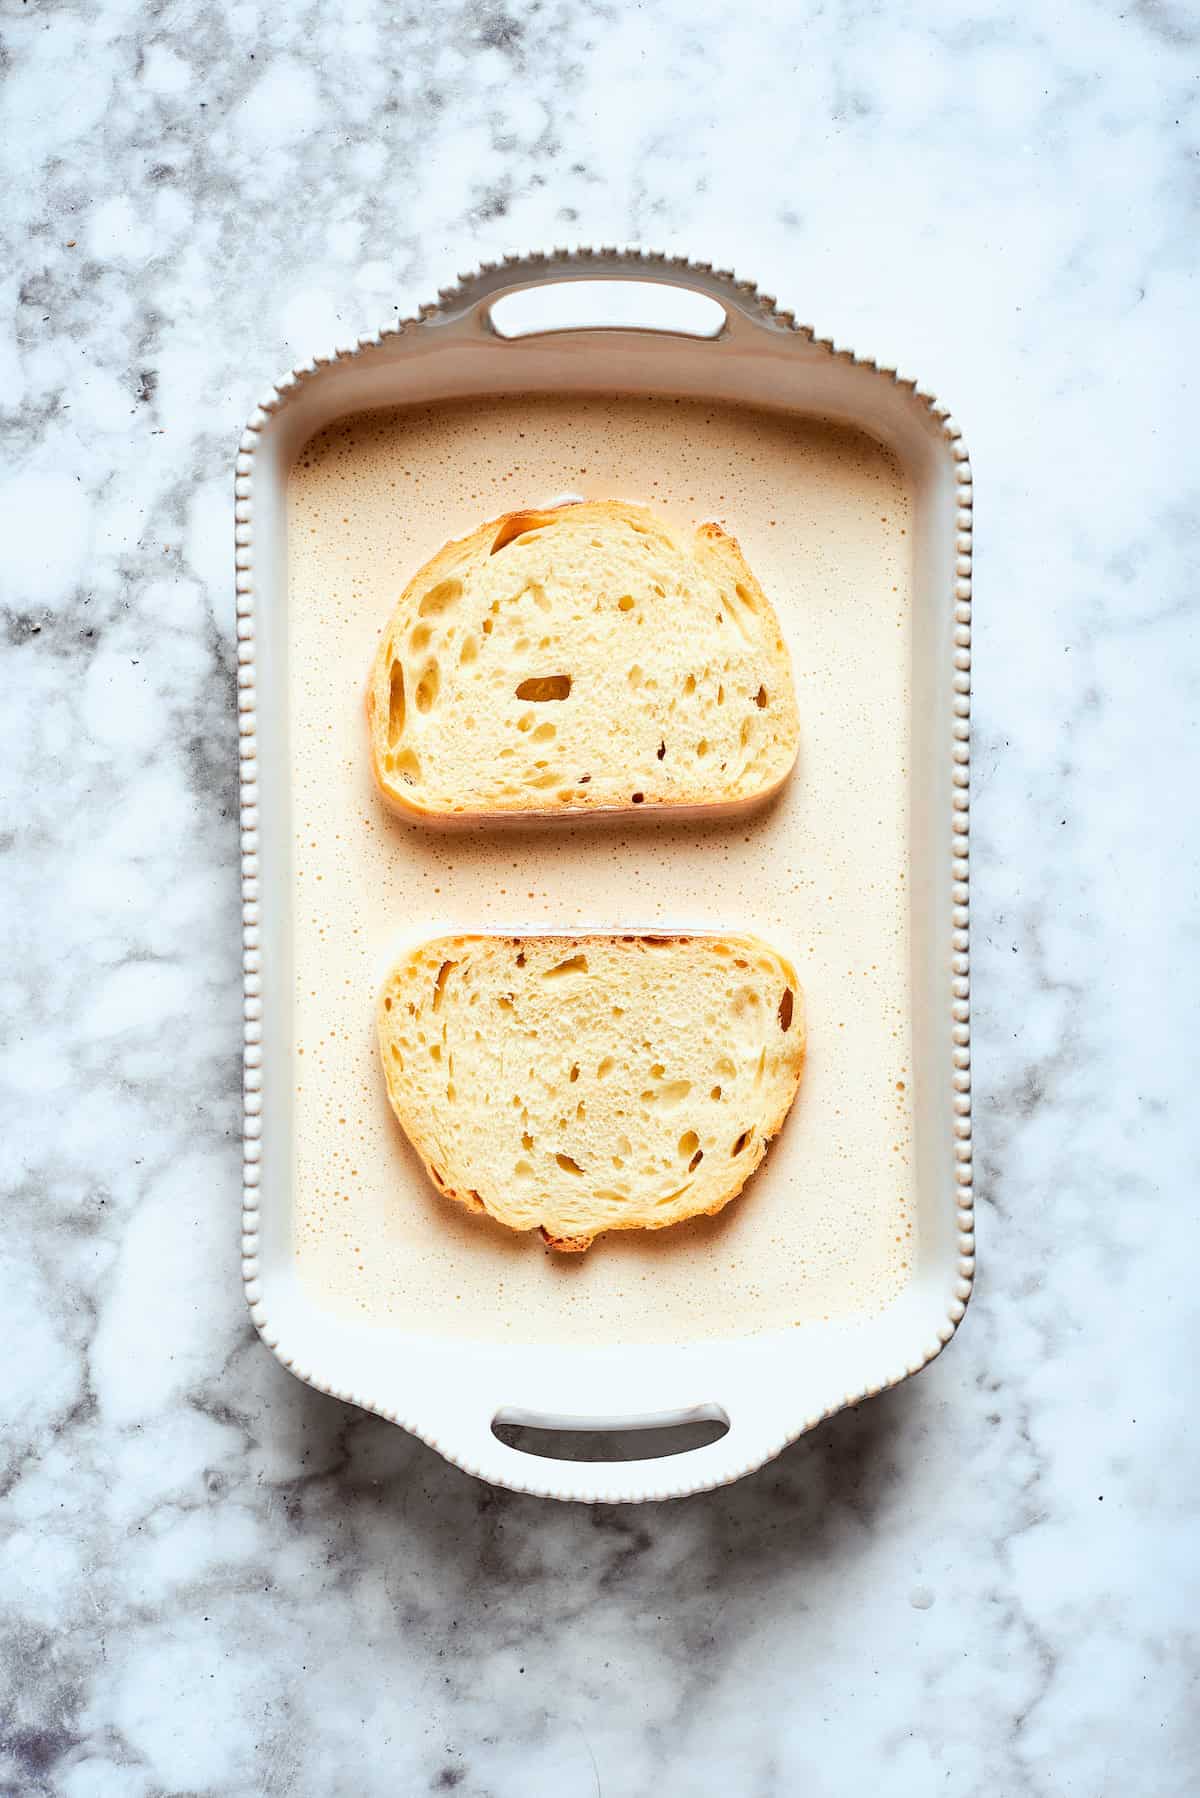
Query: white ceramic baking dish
[656,325]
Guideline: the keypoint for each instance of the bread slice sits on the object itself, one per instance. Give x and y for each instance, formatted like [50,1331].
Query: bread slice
[588,658]
[575,1084]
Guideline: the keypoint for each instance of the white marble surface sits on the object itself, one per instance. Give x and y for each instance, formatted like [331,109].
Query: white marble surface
[215,1581]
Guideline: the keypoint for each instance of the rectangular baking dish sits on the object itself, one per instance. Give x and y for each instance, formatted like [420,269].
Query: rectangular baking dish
[638,325]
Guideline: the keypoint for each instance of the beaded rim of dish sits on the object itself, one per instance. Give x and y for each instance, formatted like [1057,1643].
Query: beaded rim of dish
[470,289]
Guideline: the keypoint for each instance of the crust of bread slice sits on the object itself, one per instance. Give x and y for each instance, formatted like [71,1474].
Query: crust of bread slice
[588,658]
[575,1084]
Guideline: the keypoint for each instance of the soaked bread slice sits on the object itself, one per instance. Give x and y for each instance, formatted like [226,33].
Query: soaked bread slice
[589,658]
[575,1084]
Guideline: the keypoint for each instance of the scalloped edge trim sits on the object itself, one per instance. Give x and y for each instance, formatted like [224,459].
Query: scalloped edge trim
[467,287]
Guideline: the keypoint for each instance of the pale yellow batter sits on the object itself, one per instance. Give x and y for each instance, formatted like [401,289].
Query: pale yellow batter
[825,520]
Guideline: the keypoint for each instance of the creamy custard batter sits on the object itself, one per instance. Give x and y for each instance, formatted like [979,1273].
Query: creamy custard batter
[824,516]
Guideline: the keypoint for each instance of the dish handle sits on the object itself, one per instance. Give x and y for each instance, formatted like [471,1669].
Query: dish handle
[596,1459]
[588,290]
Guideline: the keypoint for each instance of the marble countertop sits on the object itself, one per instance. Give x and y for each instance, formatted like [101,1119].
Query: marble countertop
[214,1580]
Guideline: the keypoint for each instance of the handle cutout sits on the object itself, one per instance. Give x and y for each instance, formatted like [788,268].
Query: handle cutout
[607,305]
[607,1439]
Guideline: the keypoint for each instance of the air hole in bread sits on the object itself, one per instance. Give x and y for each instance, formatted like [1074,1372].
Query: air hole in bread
[521,959]
[469,651]
[694,1163]
[720,696]
[544,733]
[745,732]
[760,699]
[626,602]
[662,749]
[519,524]
[635,676]
[486,627]
[786,1007]
[396,703]
[526,1141]
[387,1004]
[689,1142]
[427,687]
[542,687]
[740,1144]
[407,765]
[439,599]
[439,985]
[568,1164]
[605,1067]
[743,612]
[689,685]
[575,964]
[672,1093]
[638,798]
[435,1051]
[703,747]
[715,1094]
[420,638]
[574,1074]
